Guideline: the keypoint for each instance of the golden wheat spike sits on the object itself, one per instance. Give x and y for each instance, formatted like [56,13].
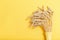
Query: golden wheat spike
[42,17]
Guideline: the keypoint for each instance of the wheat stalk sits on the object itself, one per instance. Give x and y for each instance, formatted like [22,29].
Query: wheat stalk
[43,18]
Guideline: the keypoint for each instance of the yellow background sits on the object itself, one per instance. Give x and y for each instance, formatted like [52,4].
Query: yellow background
[13,25]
